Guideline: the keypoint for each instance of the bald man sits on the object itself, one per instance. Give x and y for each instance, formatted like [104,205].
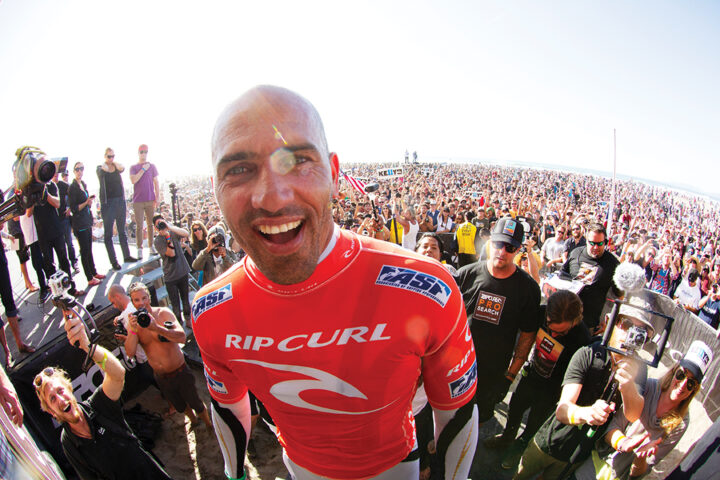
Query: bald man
[330,330]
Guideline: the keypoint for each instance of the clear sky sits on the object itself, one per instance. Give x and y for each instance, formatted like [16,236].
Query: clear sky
[506,81]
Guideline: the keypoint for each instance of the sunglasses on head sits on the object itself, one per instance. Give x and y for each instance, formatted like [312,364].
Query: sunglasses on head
[508,248]
[681,374]
[38,381]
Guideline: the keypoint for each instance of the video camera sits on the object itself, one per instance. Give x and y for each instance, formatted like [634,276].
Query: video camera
[31,171]
[217,240]
[59,284]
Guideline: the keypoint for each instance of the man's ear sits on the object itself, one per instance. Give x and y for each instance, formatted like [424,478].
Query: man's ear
[335,172]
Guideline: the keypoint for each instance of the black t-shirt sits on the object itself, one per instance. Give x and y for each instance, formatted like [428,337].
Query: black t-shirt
[546,366]
[47,220]
[496,310]
[113,452]
[597,275]
[63,188]
[571,244]
[111,185]
[591,368]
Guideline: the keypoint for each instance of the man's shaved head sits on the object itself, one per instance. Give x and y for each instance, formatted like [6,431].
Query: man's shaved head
[264,100]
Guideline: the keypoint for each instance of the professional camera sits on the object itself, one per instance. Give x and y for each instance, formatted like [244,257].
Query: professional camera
[143,317]
[31,171]
[59,284]
[218,240]
[120,328]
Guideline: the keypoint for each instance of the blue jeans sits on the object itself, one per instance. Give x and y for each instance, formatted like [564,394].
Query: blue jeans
[114,212]
[65,222]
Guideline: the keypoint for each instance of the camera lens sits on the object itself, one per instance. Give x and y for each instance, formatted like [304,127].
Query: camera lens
[143,318]
[44,171]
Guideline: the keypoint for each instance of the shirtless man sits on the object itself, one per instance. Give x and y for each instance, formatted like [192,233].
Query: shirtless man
[160,338]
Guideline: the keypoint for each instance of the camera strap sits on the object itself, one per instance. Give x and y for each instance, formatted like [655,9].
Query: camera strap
[88,362]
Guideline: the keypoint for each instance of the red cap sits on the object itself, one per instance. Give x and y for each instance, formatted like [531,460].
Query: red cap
[142,147]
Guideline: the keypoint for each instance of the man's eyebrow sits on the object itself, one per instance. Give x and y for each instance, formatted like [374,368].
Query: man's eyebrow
[236,157]
[301,146]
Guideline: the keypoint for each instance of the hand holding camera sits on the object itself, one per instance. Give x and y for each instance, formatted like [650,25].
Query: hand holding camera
[597,413]
[75,330]
[141,319]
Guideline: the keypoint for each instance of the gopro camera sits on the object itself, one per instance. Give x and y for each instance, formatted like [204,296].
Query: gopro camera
[635,339]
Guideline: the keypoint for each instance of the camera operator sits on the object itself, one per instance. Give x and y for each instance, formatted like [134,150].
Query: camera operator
[214,259]
[50,231]
[157,330]
[562,443]
[95,438]
[174,264]
[710,307]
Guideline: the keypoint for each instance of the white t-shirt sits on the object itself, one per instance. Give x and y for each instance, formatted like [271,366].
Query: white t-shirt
[688,295]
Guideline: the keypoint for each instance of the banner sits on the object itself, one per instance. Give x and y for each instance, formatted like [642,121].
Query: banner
[391,172]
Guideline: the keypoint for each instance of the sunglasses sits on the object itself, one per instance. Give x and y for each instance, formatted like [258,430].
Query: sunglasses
[561,232]
[596,244]
[196,229]
[681,374]
[110,156]
[143,151]
[575,228]
[508,248]
[79,169]
[38,381]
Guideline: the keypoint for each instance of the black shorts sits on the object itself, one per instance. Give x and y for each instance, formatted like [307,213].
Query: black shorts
[178,388]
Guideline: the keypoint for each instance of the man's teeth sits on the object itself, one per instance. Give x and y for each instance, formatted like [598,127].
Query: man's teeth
[273,229]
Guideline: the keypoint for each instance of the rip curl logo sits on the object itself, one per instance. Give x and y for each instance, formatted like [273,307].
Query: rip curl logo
[418,282]
[210,300]
[289,391]
[463,384]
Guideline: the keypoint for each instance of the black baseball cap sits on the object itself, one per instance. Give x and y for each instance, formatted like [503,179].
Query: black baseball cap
[508,230]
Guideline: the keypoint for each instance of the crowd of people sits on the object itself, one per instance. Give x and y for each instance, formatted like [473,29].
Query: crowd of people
[317,245]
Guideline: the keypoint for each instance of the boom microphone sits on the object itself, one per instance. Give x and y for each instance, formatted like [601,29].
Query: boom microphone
[629,277]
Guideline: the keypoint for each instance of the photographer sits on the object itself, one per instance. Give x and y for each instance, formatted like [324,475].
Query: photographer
[95,438]
[710,307]
[214,259]
[174,264]
[562,442]
[159,333]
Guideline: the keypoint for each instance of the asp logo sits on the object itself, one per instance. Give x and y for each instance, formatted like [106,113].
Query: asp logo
[210,300]
[463,384]
[418,282]
[215,385]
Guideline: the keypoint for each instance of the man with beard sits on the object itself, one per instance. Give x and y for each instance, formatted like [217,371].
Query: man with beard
[302,321]
[594,267]
[95,439]
[575,240]
[501,300]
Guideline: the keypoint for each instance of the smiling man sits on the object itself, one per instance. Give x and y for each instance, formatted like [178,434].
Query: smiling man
[95,439]
[302,321]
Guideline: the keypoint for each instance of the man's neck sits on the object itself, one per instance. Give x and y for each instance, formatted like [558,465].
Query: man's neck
[501,273]
[81,428]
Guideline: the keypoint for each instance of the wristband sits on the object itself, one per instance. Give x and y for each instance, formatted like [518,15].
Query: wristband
[102,364]
[617,441]
[572,416]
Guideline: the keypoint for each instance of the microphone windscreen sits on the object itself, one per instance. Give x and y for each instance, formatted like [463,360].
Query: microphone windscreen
[629,277]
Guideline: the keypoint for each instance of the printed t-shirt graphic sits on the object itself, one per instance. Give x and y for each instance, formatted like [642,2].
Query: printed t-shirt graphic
[545,354]
[489,307]
[338,377]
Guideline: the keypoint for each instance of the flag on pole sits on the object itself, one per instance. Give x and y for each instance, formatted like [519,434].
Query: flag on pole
[359,185]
